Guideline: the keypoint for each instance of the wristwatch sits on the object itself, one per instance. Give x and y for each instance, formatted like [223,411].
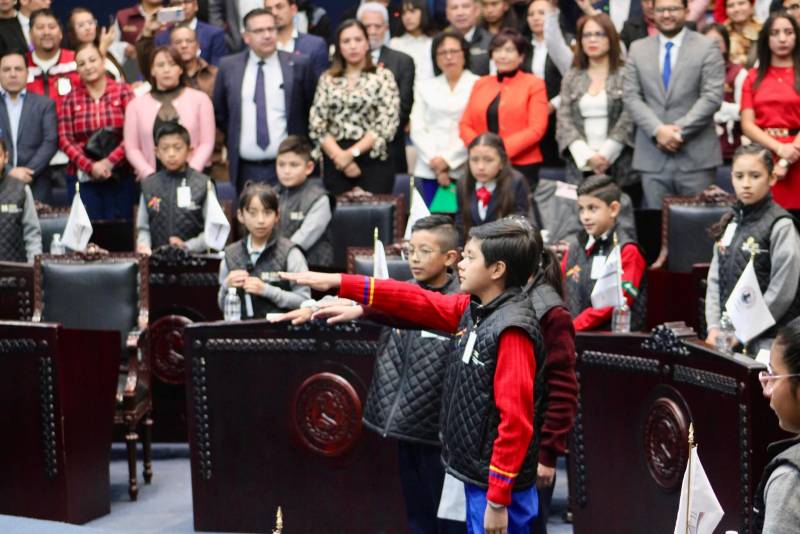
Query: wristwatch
[783,162]
[355,152]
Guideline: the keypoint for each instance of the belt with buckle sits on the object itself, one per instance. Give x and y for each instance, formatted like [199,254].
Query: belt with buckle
[782,132]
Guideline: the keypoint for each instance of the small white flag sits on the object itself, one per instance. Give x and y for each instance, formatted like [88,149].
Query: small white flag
[417,212]
[380,267]
[607,290]
[746,307]
[217,227]
[79,228]
[453,503]
[704,510]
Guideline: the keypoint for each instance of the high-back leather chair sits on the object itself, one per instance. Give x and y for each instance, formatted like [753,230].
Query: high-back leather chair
[100,291]
[359,261]
[52,221]
[356,218]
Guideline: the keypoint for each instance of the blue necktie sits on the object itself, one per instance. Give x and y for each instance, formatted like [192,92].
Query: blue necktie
[667,70]
[260,99]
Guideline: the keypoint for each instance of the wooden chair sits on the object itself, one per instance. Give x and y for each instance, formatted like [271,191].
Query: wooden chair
[101,291]
[356,217]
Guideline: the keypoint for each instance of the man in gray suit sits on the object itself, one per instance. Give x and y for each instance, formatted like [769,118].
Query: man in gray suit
[29,126]
[674,83]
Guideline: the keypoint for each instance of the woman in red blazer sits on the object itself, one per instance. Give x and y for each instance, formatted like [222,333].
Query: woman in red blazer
[512,104]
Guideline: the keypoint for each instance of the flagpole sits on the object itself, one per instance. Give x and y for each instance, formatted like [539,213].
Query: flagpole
[208,199]
[619,271]
[410,193]
[375,236]
[692,445]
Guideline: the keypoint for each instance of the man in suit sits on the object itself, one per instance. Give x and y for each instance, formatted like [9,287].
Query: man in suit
[261,95]
[210,38]
[674,83]
[375,18]
[29,127]
[292,41]
[12,38]
[463,17]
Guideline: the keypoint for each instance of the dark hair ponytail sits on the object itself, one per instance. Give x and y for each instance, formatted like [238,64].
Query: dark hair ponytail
[789,339]
[548,264]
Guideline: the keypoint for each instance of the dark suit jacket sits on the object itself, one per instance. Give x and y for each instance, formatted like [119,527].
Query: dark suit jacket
[395,24]
[636,28]
[316,49]
[37,136]
[11,37]
[210,39]
[299,84]
[519,186]
[552,82]
[479,51]
[402,68]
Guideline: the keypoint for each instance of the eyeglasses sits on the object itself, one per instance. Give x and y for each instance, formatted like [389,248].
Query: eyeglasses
[587,36]
[421,253]
[668,9]
[768,379]
[449,52]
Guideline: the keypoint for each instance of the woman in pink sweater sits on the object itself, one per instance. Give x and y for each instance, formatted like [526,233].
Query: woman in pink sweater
[168,100]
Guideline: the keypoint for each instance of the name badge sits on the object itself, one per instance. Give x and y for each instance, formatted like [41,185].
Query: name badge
[467,356]
[297,216]
[9,208]
[64,86]
[727,236]
[271,277]
[184,196]
[598,265]
[565,190]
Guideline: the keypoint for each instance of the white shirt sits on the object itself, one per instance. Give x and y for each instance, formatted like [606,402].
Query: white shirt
[469,35]
[276,108]
[14,110]
[491,185]
[419,48]
[594,110]
[539,58]
[45,64]
[662,49]
[375,54]
[245,7]
[25,22]
[434,121]
[619,11]
[288,46]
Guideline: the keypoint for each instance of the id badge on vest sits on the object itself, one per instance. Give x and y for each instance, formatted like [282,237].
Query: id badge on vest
[727,237]
[467,356]
[598,266]
[184,195]
[63,86]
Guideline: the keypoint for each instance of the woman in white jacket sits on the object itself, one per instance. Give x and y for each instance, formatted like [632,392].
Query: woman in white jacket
[439,103]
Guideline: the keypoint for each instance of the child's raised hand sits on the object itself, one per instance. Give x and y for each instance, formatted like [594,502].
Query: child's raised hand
[144,249]
[314,280]
[176,241]
[298,316]
[254,285]
[236,278]
[338,313]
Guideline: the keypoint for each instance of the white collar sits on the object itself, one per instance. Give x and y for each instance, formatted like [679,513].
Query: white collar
[255,58]
[470,34]
[592,240]
[677,40]
[193,24]
[250,249]
[491,185]
[20,95]
[22,18]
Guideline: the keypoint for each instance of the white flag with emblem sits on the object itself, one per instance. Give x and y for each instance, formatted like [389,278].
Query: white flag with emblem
[380,267]
[697,496]
[607,290]
[79,228]
[217,227]
[417,212]
[746,307]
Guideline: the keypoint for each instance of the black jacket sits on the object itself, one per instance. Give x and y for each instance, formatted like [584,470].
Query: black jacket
[402,68]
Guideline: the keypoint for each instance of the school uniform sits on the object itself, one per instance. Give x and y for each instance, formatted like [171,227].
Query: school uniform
[495,358]
[20,233]
[583,264]
[770,232]
[279,254]
[403,402]
[484,205]
[173,204]
[306,213]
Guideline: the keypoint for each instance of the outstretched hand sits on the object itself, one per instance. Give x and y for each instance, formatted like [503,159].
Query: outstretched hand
[314,280]
[333,309]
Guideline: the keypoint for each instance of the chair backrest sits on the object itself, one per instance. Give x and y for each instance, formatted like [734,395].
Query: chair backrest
[16,291]
[52,221]
[355,220]
[107,292]
[359,261]
[684,231]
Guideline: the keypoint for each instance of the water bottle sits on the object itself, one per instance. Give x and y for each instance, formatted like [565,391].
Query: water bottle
[56,246]
[233,306]
[621,319]
[727,334]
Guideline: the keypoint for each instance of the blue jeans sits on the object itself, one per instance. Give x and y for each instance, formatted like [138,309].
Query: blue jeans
[521,512]
[108,200]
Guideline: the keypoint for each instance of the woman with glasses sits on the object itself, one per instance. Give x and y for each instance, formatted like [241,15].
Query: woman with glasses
[595,132]
[438,105]
[82,29]
[777,499]
[771,104]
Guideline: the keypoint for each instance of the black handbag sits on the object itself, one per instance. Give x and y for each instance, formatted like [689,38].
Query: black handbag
[101,144]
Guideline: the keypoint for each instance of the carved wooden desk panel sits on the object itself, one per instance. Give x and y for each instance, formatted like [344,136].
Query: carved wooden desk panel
[16,291]
[57,391]
[638,395]
[275,420]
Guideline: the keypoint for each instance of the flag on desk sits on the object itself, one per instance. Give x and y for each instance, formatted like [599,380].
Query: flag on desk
[746,306]
[217,227]
[380,267]
[418,211]
[79,228]
[697,496]
[607,290]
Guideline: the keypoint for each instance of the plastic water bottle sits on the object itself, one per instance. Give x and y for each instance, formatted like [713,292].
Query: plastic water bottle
[56,246]
[727,334]
[621,319]
[233,306]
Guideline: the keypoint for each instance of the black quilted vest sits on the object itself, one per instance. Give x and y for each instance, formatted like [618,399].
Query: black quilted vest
[12,206]
[753,225]
[405,397]
[543,296]
[271,261]
[294,204]
[470,418]
[160,192]
[579,280]
[785,452]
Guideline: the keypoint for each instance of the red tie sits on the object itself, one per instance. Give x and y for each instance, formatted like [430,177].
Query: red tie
[484,195]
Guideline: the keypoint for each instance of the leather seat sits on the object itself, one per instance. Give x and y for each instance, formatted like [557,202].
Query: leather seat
[363,264]
[355,220]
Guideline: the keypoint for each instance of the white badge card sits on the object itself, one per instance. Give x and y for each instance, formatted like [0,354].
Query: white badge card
[598,266]
[727,236]
[470,346]
[64,86]
[184,196]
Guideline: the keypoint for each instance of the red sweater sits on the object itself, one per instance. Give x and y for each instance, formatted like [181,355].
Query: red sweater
[633,268]
[513,378]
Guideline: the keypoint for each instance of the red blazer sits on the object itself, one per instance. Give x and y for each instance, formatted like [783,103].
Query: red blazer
[522,114]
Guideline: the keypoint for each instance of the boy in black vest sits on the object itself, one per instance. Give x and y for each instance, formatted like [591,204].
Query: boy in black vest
[489,399]
[20,233]
[598,209]
[172,203]
[305,205]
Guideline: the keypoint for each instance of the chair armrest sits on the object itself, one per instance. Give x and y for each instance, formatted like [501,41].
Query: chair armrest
[138,367]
